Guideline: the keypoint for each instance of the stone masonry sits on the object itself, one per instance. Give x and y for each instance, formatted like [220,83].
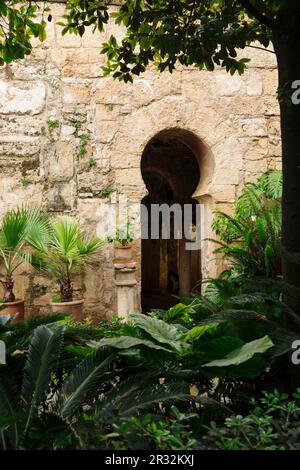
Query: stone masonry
[73,141]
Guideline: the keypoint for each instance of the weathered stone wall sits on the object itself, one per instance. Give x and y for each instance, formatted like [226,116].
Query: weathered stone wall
[72,141]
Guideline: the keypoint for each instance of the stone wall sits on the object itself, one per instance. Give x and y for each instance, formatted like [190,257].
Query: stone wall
[72,141]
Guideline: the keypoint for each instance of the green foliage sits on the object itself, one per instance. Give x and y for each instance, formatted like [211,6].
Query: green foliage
[92,163]
[153,433]
[273,424]
[53,123]
[244,353]
[25,182]
[104,193]
[19,23]
[19,227]
[123,236]
[47,403]
[196,347]
[109,106]
[27,411]
[66,249]
[251,238]
[160,331]
[165,32]
[84,140]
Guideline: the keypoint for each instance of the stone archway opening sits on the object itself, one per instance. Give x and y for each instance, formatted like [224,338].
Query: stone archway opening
[171,172]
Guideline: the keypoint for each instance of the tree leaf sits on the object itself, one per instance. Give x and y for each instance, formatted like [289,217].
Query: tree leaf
[244,353]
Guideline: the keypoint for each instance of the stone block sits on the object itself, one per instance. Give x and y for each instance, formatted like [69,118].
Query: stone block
[254,84]
[18,97]
[61,161]
[74,94]
[227,85]
[254,127]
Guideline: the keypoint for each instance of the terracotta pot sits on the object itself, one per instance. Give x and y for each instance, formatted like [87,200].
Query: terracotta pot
[10,308]
[74,308]
[123,252]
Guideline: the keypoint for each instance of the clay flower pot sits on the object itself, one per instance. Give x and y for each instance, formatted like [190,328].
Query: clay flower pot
[73,308]
[123,252]
[11,308]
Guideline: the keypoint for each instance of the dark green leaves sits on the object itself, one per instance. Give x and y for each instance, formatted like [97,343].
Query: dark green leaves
[243,354]
[19,23]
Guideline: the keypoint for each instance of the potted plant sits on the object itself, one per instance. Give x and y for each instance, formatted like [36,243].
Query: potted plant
[122,241]
[67,250]
[19,227]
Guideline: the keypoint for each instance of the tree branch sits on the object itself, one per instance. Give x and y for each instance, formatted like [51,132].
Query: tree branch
[253,11]
[261,48]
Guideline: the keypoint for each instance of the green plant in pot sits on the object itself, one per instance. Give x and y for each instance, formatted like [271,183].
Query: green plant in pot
[122,241]
[68,249]
[19,227]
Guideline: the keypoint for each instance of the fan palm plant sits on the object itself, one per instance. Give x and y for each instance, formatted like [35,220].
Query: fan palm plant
[67,249]
[19,228]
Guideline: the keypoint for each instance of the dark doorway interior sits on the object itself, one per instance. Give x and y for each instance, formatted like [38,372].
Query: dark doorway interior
[171,174]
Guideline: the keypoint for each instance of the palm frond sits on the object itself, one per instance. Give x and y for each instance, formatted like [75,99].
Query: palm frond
[42,358]
[150,396]
[67,248]
[83,381]
[8,408]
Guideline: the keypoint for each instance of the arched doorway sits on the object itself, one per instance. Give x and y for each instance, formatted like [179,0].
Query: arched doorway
[170,170]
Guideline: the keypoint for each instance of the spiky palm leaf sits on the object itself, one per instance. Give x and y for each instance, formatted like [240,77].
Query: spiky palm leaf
[67,249]
[42,359]
[138,392]
[151,395]
[83,381]
[8,410]
[21,228]
[271,183]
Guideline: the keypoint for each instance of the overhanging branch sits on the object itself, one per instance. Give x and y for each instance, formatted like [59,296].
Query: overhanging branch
[253,11]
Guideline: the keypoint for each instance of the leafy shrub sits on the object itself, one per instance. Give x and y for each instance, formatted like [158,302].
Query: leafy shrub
[50,386]
[273,424]
[153,433]
[251,238]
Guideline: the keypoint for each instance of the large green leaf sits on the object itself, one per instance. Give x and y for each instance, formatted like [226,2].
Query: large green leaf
[218,348]
[178,311]
[283,340]
[126,342]
[161,331]
[244,353]
[198,331]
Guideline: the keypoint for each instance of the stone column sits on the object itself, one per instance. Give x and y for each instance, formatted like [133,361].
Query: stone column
[126,287]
